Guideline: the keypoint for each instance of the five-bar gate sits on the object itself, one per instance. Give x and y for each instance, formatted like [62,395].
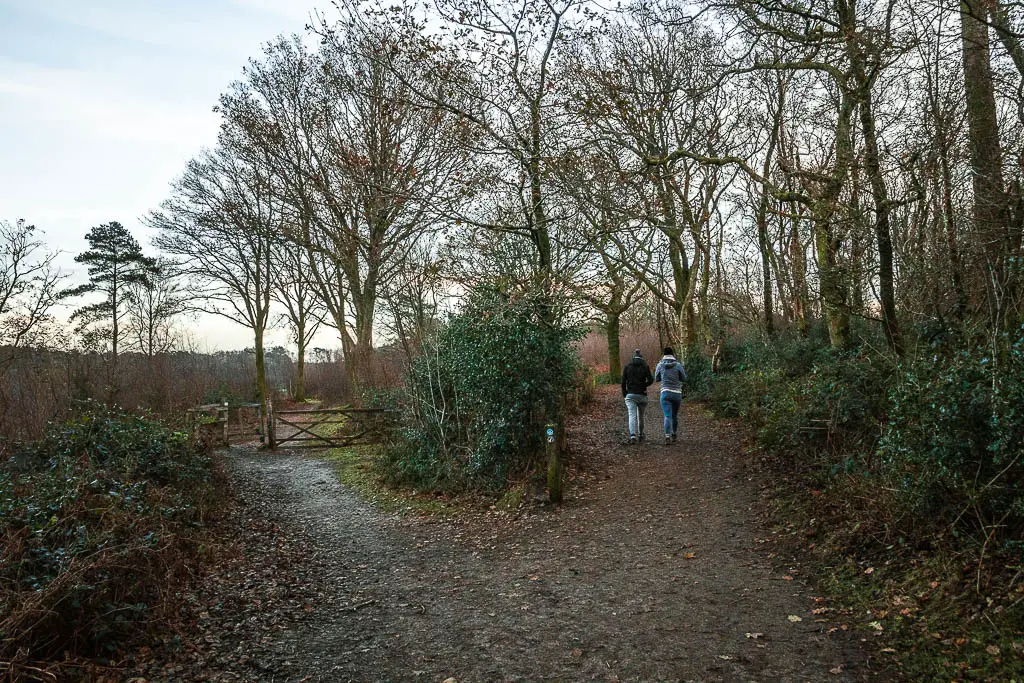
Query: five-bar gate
[328,427]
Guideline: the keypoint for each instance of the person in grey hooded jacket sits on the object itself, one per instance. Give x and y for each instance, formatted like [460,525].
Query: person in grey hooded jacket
[671,374]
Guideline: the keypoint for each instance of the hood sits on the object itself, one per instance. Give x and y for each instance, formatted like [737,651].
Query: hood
[637,360]
[668,361]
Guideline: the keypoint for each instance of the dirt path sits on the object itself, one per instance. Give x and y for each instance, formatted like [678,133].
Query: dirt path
[654,569]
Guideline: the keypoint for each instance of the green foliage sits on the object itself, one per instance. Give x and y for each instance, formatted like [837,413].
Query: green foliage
[945,429]
[482,391]
[97,520]
[956,433]
[698,374]
[834,409]
[808,402]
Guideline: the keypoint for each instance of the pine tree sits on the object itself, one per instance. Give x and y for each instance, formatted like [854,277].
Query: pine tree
[115,262]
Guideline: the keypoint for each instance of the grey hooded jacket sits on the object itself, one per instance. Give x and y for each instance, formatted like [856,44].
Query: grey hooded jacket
[671,374]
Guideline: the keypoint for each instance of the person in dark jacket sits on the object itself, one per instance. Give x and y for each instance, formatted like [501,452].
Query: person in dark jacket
[636,377]
[671,374]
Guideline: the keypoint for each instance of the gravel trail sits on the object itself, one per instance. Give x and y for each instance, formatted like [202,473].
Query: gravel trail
[655,568]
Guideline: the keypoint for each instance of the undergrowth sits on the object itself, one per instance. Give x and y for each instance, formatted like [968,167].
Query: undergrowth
[102,522]
[906,476]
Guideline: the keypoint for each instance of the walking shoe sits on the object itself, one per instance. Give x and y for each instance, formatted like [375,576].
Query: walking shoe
[673,437]
[668,439]
[642,437]
[632,440]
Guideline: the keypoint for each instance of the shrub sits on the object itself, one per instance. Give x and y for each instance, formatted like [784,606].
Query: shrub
[835,409]
[698,374]
[98,520]
[955,435]
[481,392]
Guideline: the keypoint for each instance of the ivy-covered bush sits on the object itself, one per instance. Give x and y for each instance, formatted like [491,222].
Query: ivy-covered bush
[834,411]
[698,374]
[98,521]
[955,438]
[481,393]
[942,430]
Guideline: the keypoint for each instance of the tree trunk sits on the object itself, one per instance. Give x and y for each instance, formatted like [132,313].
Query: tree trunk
[364,303]
[763,243]
[798,264]
[883,235]
[834,285]
[261,371]
[300,366]
[614,352]
[952,241]
[538,213]
[986,154]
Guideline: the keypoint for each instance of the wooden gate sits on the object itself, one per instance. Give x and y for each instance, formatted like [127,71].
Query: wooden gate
[224,423]
[329,427]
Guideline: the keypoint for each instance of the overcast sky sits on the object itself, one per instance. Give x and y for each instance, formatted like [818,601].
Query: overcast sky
[102,102]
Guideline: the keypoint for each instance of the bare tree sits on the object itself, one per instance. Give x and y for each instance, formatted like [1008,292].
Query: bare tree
[29,288]
[362,165]
[304,313]
[224,222]
[648,89]
[498,61]
[151,309]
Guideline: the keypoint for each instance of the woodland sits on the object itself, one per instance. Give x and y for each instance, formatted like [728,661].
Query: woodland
[817,203]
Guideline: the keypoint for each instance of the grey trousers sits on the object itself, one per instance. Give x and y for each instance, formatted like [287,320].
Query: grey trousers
[636,404]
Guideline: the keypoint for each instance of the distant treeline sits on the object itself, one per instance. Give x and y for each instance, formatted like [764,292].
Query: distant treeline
[40,385]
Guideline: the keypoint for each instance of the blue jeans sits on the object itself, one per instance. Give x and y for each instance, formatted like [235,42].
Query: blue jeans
[635,405]
[670,404]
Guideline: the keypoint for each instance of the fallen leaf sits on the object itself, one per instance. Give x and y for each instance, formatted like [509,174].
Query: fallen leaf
[755,636]
[794,618]
[534,578]
[724,657]
[577,653]
[787,578]
[689,556]
[889,650]
[992,650]
[876,625]
[869,570]
[836,670]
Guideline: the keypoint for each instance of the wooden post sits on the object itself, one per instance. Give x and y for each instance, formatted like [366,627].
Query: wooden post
[271,436]
[224,433]
[551,445]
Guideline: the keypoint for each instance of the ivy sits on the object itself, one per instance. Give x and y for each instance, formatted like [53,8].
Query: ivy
[481,392]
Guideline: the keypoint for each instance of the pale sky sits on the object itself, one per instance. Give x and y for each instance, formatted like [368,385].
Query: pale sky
[102,102]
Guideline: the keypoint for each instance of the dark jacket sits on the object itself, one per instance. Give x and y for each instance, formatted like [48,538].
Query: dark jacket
[636,377]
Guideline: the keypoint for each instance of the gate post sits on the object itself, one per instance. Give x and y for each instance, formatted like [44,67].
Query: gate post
[224,428]
[271,428]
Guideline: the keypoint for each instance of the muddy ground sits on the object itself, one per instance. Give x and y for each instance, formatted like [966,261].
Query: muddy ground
[655,568]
